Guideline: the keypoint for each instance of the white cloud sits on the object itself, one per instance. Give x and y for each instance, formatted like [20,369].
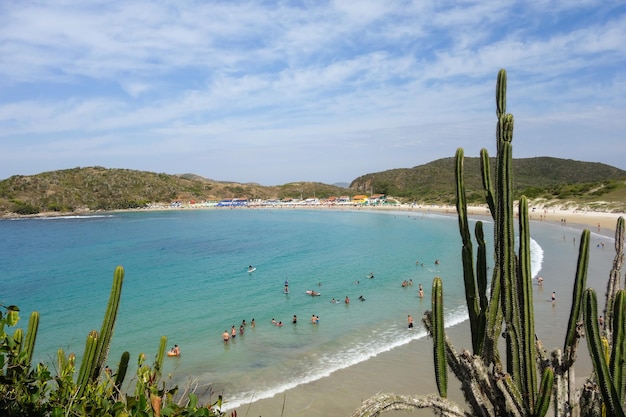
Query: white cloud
[325,90]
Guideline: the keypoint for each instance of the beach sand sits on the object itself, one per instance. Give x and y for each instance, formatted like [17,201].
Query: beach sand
[409,369]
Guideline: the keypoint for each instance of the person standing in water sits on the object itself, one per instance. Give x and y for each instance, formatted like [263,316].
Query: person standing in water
[410,320]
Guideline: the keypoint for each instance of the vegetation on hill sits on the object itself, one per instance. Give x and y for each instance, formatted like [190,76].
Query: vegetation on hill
[541,177]
[552,180]
[97,188]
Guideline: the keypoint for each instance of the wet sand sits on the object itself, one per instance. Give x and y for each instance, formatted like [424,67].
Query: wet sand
[409,369]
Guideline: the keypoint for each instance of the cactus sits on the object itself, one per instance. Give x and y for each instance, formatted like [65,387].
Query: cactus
[493,388]
[121,370]
[106,333]
[580,281]
[618,352]
[31,336]
[614,277]
[86,366]
[607,386]
[441,371]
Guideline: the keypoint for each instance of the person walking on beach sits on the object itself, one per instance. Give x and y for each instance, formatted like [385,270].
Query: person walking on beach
[553,296]
[410,320]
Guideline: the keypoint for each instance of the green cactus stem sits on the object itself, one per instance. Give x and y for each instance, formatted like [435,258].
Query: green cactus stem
[87,363]
[501,93]
[31,337]
[618,352]
[580,282]
[596,350]
[439,348]
[485,169]
[545,392]
[13,355]
[161,354]
[471,295]
[524,283]
[108,323]
[614,278]
[121,370]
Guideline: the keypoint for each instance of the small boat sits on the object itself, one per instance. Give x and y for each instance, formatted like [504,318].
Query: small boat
[312,293]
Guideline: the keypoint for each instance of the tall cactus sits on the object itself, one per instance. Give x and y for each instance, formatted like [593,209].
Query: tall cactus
[608,389]
[512,388]
[31,337]
[97,344]
[614,276]
[441,371]
[108,323]
[87,364]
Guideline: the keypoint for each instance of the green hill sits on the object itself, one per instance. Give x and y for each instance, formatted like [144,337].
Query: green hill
[541,177]
[98,188]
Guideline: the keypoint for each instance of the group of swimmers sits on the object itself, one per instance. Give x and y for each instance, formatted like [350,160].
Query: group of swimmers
[226,336]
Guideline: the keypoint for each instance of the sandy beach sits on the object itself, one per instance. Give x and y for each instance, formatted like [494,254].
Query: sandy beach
[409,369]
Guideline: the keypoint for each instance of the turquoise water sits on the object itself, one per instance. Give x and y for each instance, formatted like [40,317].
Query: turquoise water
[186,278]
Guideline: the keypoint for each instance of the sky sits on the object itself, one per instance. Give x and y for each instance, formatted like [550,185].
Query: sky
[274,92]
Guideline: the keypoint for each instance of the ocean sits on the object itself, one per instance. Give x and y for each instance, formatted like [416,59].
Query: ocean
[186,277]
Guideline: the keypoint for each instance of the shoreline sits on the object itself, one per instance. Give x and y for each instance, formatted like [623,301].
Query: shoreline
[597,221]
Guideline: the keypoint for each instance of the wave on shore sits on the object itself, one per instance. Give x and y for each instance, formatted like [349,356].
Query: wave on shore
[360,351]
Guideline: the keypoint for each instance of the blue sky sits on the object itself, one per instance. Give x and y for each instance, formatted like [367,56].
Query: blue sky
[283,91]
